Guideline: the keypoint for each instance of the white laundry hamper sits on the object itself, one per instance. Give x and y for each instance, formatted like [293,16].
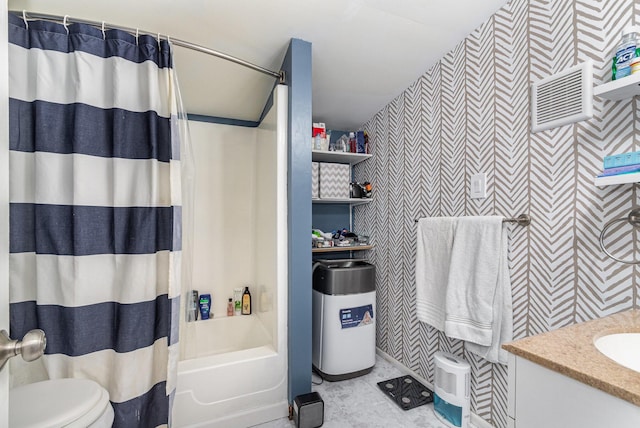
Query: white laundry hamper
[451,398]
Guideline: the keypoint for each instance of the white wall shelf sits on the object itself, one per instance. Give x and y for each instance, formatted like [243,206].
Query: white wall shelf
[350,159]
[617,90]
[351,201]
[337,249]
[620,89]
[338,157]
[633,177]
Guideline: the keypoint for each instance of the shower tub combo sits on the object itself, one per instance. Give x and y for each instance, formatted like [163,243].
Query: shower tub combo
[233,369]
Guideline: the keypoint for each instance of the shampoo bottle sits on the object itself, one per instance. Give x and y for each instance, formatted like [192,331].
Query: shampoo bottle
[205,306]
[230,307]
[246,302]
[237,300]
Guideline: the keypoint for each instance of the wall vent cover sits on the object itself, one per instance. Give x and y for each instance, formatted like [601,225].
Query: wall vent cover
[563,98]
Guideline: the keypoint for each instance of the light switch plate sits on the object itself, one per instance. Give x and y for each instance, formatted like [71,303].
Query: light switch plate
[479,186]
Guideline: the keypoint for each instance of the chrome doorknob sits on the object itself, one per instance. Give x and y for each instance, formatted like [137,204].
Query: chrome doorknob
[31,347]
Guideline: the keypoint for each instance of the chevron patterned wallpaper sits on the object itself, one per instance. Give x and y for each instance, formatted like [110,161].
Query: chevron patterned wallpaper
[470,113]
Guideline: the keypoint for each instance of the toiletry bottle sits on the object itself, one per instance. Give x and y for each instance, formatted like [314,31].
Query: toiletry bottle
[246,302]
[626,51]
[205,306]
[343,144]
[230,307]
[352,142]
[192,306]
[237,300]
[360,141]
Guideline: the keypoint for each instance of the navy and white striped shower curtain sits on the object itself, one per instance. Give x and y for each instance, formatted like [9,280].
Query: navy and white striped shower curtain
[95,214]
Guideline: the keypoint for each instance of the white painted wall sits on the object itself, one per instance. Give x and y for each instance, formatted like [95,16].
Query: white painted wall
[235,217]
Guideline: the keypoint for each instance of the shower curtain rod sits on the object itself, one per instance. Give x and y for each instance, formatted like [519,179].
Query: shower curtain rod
[182,43]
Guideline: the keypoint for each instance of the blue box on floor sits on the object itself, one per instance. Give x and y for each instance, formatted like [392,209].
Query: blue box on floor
[308,410]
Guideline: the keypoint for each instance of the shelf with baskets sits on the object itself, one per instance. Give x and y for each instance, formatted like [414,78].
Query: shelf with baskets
[348,160]
[327,209]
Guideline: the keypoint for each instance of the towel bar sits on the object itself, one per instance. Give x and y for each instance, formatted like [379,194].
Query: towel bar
[634,219]
[522,220]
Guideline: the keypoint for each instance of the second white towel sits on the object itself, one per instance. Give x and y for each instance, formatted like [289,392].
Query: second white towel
[478,298]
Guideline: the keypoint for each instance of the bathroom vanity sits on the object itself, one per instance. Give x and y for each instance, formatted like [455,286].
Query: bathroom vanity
[560,380]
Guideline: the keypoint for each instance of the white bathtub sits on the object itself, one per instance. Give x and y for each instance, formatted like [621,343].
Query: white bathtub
[237,386]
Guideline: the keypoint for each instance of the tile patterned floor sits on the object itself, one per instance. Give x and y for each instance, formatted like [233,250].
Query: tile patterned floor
[359,403]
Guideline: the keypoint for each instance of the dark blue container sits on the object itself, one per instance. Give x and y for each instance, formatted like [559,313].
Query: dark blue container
[205,306]
[360,142]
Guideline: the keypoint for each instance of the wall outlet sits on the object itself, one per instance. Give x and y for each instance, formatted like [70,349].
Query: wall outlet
[478,186]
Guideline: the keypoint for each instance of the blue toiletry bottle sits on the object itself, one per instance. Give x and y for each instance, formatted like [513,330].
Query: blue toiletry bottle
[625,53]
[205,306]
[360,148]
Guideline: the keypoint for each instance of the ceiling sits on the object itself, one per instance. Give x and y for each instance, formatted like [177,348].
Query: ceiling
[365,52]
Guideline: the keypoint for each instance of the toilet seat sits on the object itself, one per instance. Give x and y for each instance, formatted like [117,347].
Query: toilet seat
[60,403]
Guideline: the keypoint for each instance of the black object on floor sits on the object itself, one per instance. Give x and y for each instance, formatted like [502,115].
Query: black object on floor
[406,392]
[308,410]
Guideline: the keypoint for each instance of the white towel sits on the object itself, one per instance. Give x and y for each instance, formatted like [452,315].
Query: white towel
[433,257]
[478,303]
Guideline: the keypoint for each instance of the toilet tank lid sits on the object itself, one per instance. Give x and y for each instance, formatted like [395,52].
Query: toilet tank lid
[54,403]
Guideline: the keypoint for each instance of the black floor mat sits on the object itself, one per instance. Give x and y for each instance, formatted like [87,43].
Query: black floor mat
[406,392]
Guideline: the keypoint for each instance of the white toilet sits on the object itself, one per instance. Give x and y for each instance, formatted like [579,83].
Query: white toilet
[72,403]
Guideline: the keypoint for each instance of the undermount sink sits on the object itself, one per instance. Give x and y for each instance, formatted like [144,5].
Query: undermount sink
[623,348]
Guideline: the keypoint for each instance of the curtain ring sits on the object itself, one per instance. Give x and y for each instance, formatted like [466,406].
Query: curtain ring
[634,219]
[137,34]
[104,36]
[64,22]
[24,18]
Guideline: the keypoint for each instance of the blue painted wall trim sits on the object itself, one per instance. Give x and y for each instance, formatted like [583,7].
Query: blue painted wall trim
[297,65]
[268,104]
[226,120]
[329,217]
